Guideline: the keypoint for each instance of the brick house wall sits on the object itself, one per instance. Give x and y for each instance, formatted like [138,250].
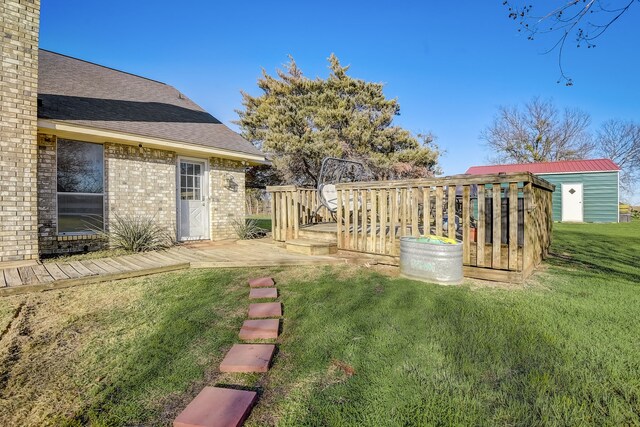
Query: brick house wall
[139,182]
[227,185]
[18,129]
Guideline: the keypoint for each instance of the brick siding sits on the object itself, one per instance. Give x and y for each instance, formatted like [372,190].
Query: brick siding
[138,182]
[18,129]
[227,197]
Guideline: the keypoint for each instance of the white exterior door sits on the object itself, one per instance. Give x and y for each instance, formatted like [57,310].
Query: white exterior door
[572,210]
[193,212]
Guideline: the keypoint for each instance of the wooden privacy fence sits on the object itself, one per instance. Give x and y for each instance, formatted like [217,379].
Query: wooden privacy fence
[293,206]
[504,221]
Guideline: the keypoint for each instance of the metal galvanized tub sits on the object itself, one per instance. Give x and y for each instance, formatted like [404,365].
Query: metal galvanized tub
[431,259]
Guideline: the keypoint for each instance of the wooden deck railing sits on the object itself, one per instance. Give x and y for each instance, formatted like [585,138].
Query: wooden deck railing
[293,206]
[504,221]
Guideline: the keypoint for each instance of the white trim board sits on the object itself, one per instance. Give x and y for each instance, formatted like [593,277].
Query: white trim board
[89,134]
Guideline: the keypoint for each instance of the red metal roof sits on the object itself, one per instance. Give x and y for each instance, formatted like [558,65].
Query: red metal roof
[565,166]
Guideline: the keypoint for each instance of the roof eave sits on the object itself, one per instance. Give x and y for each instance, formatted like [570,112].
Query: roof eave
[91,134]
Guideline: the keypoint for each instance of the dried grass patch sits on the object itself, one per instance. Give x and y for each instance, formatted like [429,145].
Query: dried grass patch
[47,371]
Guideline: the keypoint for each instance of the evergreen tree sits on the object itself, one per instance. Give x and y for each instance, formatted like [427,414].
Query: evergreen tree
[299,121]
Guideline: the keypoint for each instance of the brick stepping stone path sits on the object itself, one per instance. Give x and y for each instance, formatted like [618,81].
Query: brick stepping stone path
[248,358]
[225,407]
[261,282]
[265,309]
[258,293]
[260,329]
[217,407]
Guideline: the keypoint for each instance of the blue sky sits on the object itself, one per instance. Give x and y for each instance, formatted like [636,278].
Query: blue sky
[450,64]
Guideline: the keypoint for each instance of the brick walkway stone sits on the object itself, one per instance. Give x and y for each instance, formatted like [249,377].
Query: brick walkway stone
[217,407]
[265,309]
[259,293]
[260,329]
[248,358]
[261,282]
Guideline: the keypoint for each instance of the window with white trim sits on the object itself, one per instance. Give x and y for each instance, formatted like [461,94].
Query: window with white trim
[80,183]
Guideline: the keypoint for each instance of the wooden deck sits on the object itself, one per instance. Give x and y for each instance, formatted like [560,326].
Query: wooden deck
[52,275]
[503,221]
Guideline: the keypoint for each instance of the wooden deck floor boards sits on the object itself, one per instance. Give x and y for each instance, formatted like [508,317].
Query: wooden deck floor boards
[106,267]
[81,268]
[12,277]
[124,261]
[131,259]
[55,272]
[164,257]
[156,259]
[179,255]
[42,274]
[145,262]
[27,275]
[118,266]
[69,271]
[202,255]
[94,267]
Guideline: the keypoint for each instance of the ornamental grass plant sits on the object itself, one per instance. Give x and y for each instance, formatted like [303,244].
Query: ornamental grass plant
[137,234]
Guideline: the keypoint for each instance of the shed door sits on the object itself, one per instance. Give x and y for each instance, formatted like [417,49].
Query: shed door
[572,208]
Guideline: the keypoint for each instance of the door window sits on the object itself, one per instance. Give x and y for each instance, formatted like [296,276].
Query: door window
[190,181]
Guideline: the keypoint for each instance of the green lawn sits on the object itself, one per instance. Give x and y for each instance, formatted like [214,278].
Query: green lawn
[365,349]
[262,220]
[359,346]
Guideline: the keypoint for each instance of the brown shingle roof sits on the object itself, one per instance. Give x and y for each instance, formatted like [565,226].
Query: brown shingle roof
[83,93]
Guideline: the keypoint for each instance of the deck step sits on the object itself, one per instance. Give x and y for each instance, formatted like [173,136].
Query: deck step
[217,407]
[321,235]
[311,247]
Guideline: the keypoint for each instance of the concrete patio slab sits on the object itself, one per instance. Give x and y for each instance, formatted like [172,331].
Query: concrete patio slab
[217,407]
[265,309]
[248,358]
[260,329]
[261,282]
[258,293]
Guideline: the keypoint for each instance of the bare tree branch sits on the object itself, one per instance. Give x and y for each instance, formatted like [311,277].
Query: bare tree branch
[538,133]
[586,20]
[620,141]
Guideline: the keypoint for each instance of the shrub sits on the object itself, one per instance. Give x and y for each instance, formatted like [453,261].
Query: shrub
[137,234]
[248,229]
